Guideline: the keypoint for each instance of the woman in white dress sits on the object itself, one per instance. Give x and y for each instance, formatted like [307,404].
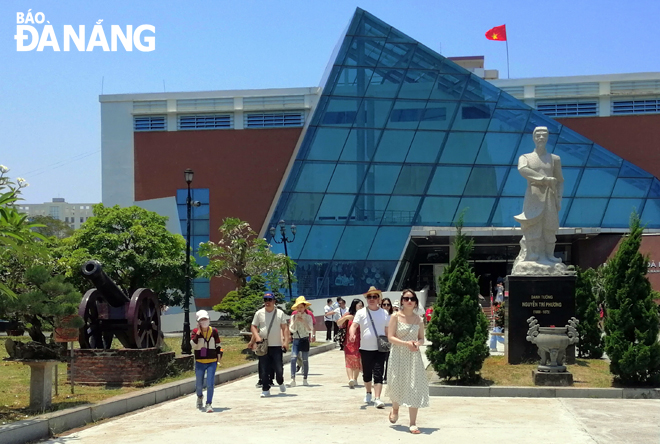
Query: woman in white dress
[407,384]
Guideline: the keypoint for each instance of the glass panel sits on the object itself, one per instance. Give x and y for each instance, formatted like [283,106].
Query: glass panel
[370,28]
[506,101]
[461,147]
[567,135]
[389,243]
[596,182]
[449,87]
[342,279]
[181,196]
[196,240]
[498,148]
[397,36]
[335,208]
[655,189]
[506,208]
[381,179]
[570,178]
[401,210]
[385,83]
[369,209]
[201,290]
[413,179]
[360,145]
[509,120]
[377,273]
[600,157]
[393,146]
[515,185]
[310,276]
[438,115]
[574,155]
[425,146]
[302,207]
[183,215]
[364,51]
[314,177]
[527,145]
[201,212]
[321,242]
[651,213]
[565,204]
[477,210]
[200,227]
[396,55]
[449,180]
[340,112]
[417,84]
[425,59]
[328,143]
[201,195]
[355,242]
[406,114]
[352,81]
[347,178]
[373,113]
[473,116]
[618,212]
[295,246]
[586,212]
[480,90]
[630,170]
[438,211]
[485,181]
[629,187]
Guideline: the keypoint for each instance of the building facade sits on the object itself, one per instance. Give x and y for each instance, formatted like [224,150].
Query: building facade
[73,214]
[376,166]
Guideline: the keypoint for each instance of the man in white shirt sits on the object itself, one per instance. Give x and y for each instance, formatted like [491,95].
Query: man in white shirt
[373,361]
[340,310]
[329,318]
[278,341]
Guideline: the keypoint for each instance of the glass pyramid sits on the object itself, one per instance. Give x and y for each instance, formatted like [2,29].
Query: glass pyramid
[404,137]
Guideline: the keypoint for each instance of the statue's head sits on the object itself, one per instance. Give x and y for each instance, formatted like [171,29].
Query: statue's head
[540,135]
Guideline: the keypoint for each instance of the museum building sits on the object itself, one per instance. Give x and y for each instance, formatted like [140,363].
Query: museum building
[376,165]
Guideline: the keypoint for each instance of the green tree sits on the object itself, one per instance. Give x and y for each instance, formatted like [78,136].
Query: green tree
[586,311]
[241,304]
[458,330]
[241,253]
[135,249]
[631,325]
[49,226]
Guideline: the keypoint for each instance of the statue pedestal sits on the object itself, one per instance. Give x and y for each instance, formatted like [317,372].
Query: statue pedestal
[551,299]
[41,383]
[552,379]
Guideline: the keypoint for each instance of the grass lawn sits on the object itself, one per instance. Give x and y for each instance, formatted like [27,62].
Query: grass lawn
[15,380]
[586,373]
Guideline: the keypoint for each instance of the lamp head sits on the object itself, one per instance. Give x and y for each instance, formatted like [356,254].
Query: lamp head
[188,174]
[272,231]
[293,229]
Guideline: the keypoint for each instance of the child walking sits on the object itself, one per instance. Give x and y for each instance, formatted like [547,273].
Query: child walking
[205,342]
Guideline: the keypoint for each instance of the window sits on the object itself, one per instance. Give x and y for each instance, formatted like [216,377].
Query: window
[631,106]
[82,219]
[270,120]
[566,109]
[206,121]
[149,123]
[55,212]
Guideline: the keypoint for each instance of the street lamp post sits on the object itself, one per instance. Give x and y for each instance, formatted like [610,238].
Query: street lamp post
[185,341]
[285,240]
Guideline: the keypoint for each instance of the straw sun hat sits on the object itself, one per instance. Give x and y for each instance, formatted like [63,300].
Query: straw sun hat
[373,290]
[300,301]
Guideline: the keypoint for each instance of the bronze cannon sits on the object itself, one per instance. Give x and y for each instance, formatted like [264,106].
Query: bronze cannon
[108,311]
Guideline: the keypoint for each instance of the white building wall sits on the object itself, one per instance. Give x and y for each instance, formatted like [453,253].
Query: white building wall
[117,160]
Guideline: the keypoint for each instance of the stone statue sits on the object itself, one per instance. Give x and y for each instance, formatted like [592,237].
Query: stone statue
[540,217]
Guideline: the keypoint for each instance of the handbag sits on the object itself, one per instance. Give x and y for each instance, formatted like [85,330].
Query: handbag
[384,345]
[303,343]
[261,348]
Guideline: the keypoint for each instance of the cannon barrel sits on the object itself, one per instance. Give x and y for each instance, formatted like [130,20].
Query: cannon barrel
[93,271]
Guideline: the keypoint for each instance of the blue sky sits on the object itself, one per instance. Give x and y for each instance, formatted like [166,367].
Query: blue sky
[50,115]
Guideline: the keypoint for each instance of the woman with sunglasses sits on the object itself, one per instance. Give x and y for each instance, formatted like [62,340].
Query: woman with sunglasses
[372,322]
[386,305]
[352,348]
[408,384]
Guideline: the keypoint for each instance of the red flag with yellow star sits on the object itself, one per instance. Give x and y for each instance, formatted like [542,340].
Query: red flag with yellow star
[497,33]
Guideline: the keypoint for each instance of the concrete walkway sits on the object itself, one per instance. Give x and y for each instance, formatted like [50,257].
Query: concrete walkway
[329,412]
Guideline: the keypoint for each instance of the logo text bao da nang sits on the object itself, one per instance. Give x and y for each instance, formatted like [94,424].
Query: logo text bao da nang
[29,37]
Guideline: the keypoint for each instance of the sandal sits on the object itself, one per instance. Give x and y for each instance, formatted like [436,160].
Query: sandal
[393,417]
[414,430]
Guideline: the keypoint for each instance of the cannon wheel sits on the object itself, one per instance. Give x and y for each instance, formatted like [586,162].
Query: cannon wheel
[143,319]
[90,335]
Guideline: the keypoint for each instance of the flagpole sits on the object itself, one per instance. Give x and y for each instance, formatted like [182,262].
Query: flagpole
[507,57]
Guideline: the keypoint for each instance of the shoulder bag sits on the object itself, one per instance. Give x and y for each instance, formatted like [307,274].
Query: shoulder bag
[261,348]
[383,343]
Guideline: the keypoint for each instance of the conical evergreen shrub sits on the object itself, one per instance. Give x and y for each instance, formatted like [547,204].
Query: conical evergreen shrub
[458,329]
[631,325]
[586,311]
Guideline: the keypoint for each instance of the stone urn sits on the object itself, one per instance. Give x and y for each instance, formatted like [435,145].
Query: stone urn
[552,343]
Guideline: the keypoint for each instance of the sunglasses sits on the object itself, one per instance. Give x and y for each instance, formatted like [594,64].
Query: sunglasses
[268,299]
[387,305]
[373,296]
[408,298]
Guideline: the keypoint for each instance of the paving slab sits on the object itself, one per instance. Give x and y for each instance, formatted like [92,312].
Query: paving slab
[328,411]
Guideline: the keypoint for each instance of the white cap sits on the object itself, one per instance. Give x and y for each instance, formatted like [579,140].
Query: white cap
[202,314]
